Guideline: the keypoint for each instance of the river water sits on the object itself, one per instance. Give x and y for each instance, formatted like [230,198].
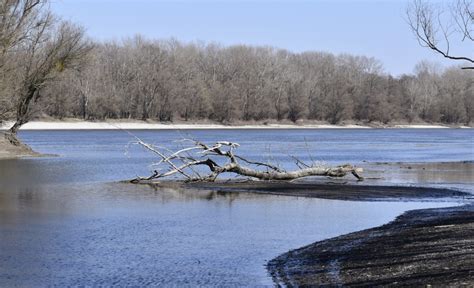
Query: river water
[64,221]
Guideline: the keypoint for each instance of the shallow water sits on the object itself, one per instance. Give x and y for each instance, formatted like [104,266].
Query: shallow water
[452,175]
[89,156]
[62,223]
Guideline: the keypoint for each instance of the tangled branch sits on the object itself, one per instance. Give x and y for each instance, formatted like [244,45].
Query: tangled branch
[183,162]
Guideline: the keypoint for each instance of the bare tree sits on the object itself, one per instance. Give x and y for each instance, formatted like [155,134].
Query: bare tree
[455,99]
[17,19]
[50,50]
[34,49]
[145,79]
[435,29]
[463,13]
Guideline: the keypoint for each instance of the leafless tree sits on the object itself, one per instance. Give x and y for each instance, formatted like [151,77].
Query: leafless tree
[17,19]
[463,13]
[50,51]
[35,48]
[438,27]
[164,80]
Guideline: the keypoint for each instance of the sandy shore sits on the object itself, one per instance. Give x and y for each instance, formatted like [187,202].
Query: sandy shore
[141,125]
[420,248]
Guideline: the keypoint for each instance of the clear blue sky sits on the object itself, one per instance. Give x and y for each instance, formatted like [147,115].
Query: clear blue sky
[372,28]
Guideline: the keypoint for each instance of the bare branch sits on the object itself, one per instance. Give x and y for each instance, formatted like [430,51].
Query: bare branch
[273,167]
[428,31]
[233,166]
[163,157]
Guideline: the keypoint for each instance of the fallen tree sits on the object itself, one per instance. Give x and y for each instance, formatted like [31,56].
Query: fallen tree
[185,161]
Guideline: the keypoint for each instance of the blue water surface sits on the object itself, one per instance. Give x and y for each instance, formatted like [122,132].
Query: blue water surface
[64,221]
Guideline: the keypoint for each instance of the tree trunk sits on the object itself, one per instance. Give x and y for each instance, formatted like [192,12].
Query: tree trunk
[11,137]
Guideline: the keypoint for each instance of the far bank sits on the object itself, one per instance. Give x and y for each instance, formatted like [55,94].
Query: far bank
[77,124]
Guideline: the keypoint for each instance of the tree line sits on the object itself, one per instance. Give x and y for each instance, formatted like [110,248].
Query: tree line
[49,67]
[169,80]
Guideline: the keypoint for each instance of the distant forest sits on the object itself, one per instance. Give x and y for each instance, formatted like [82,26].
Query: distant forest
[48,67]
[169,80]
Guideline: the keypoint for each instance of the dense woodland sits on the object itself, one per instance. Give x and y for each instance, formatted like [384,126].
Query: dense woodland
[169,80]
[50,68]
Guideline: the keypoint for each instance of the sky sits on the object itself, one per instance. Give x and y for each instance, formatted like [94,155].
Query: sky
[361,27]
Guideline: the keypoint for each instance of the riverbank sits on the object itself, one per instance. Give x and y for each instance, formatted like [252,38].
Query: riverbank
[76,124]
[420,248]
[316,189]
[9,151]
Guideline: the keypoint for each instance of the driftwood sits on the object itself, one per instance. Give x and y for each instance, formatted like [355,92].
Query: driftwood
[185,161]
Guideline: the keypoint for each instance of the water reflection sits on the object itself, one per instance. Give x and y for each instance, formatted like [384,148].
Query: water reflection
[183,193]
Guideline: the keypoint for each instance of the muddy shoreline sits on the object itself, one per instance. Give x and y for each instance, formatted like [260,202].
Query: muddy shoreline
[419,248]
[336,191]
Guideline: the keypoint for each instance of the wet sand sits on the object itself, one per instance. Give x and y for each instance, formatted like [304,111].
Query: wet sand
[422,247]
[336,191]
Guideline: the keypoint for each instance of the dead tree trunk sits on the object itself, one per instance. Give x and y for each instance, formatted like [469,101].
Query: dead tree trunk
[185,161]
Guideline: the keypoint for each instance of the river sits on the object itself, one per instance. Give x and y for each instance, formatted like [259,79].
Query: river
[64,221]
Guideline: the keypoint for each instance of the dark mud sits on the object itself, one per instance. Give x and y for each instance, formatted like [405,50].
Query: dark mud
[422,247]
[339,191]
